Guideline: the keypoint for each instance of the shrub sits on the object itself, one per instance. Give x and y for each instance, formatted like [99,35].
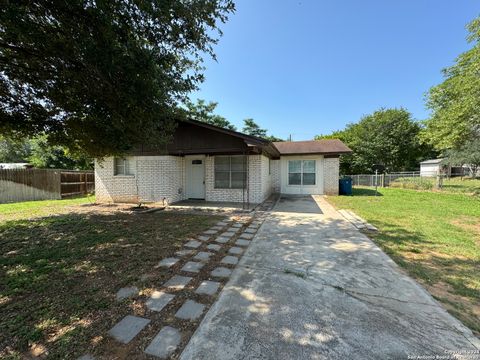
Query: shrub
[416,183]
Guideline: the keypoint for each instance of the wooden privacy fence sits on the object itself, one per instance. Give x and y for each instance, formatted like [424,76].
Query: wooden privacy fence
[43,184]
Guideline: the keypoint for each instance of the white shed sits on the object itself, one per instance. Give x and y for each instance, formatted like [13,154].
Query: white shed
[431,167]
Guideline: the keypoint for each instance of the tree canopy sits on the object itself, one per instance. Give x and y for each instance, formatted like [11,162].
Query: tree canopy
[467,154]
[102,76]
[388,137]
[250,127]
[455,103]
[203,111]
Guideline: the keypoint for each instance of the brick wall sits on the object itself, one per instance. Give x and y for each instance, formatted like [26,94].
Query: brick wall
[276,176]
[331,168]
[257,171]
[163,177]
[155,178]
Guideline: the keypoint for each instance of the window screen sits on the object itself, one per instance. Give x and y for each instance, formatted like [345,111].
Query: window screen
[123,166]
[301,172]
[230,172]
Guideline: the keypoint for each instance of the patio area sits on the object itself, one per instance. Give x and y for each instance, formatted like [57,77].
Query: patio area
[203,205]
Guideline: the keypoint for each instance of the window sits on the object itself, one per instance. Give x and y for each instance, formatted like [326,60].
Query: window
[230,172]
[123,166]
[269,166]
[301,172]
[196,162]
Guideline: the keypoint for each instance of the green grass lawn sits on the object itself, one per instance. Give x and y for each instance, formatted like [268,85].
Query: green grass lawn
[435,236]
[28,209]
[59,274]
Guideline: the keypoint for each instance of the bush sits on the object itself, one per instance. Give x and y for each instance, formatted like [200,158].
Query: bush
[416,183]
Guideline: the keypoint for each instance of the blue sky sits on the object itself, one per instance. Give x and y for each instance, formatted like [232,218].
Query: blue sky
[308,67]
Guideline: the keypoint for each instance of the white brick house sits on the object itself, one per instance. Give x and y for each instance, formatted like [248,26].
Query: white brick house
[215,164]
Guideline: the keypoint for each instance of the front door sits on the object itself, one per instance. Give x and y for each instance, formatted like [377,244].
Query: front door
[195,177]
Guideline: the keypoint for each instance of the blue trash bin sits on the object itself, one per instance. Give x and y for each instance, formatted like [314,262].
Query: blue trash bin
[345,186]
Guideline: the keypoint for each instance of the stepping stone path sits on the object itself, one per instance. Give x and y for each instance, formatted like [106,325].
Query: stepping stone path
[192,266]
[190,310]
[242,242]
[221,272]
[125,330]
[177,282]
[228,234]
[222,240]
[208,287]
[168,262]
[202,256]
[230,260]
[158,300]
[164,343]
[168,339]
[193,244]
[235,250]
[247,236]
[126,292]
[184,252]
[214,247]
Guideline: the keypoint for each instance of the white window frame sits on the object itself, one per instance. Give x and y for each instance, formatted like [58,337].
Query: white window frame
[125,165]
[301,172]
[230,172]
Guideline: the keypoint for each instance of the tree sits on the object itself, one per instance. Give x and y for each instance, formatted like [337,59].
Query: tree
[203,111]
[468,154]
[102,76]
[252,128]
[455,103]
[388,137]
[45,155]
[13,151]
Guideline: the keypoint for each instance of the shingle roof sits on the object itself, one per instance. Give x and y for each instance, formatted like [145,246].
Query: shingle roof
[432,161]
[324,146]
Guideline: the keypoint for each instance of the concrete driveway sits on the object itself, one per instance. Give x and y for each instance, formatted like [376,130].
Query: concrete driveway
[312,287]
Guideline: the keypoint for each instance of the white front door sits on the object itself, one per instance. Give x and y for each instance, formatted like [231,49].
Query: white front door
[195,166]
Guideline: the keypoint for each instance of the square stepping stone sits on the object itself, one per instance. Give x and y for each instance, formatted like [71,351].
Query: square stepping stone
[222,223]
[208,287]
[237,225]
[228,234]
[193,244]
[222,240]
[216,227]
[250,230]
[235,250]
[158,300]
[190,310]
[221,272]
[86,357]
[168,262]
[247,236]
[242,242]
[184,252]
[214,247]
[203,256]
[177,282]
[126,292]
[164,343]
[203,237]
[125,330]
[192,266]
[210,232]
[230,260]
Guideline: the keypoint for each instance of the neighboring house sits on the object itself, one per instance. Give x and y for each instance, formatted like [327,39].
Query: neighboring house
[215,164]
[435,167]
[15,166]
